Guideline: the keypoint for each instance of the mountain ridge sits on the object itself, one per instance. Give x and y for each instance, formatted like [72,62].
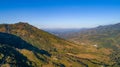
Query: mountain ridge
[55,51]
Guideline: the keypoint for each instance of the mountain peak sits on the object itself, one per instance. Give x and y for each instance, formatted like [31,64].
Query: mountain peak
[22,23]
[118,23]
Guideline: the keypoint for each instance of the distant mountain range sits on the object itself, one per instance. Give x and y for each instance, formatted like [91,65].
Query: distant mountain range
[62,32]
[23,45]
[103,36]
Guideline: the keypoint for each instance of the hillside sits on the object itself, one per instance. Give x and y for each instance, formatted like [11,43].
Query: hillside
[13,52]
[107,36]
[36,37]
[102,36]
[43,49]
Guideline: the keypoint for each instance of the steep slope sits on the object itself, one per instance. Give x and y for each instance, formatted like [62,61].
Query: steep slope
[13,52]
[36,37]
[47,50]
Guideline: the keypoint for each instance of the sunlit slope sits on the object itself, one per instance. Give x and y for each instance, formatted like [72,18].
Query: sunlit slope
[103,36]
[37,37]
[54,51]
[107,36]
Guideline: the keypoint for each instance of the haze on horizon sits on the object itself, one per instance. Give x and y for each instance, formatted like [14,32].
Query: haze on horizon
[61,13]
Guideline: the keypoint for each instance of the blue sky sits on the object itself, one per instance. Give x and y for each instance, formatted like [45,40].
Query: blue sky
[60,13]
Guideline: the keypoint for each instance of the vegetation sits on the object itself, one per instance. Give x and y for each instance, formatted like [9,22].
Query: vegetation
[23,45]
[107,36]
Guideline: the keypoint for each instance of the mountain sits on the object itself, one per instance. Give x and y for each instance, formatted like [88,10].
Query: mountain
[27,45]
[102,36]
[35,36]
[14,52]
[63,32]
[107,36]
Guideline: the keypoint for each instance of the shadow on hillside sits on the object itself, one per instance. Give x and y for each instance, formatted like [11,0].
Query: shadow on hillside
[13,57]
[17,42]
